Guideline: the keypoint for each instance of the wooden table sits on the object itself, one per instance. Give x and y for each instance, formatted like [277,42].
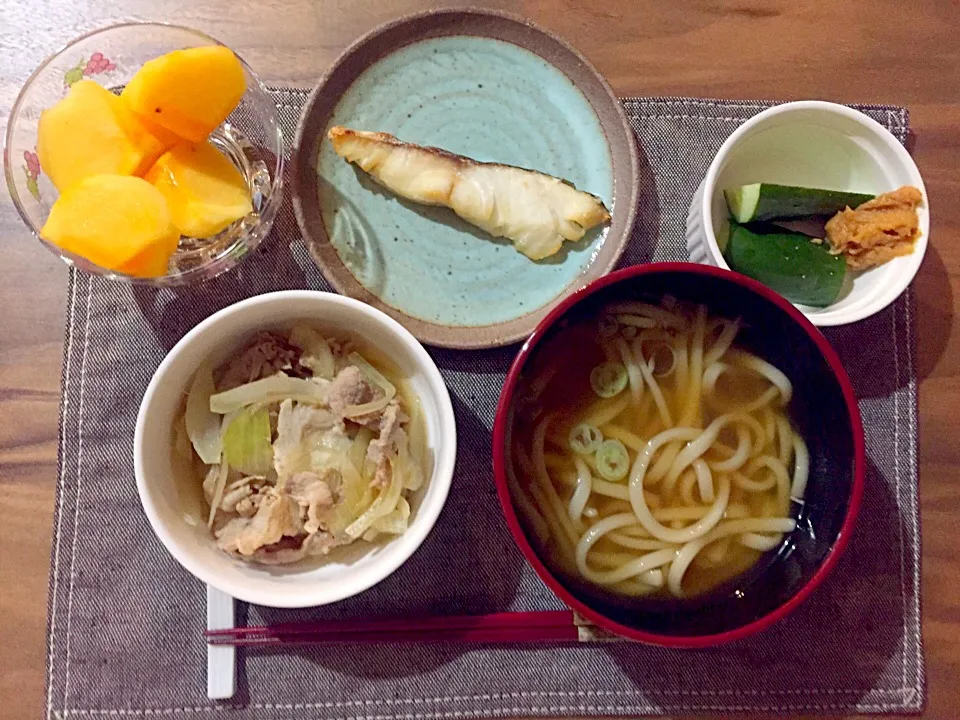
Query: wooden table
[883,51]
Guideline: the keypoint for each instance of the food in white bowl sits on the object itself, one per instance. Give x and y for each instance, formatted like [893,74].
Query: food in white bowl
[295,448]
[800,241]
[302,442]
[822,159]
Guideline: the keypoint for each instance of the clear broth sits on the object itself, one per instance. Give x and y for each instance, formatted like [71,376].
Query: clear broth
[556,384]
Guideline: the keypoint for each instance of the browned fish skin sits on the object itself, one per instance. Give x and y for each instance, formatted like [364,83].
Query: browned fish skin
[536,211]
[338,134]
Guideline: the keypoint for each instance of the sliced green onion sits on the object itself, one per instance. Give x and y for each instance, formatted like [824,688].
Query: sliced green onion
[585,439]
[608,326]
[608,379]
[612,460]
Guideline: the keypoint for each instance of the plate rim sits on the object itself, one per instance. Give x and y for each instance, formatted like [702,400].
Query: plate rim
[626,183]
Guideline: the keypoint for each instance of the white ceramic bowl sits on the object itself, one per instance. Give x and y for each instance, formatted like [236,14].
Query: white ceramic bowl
[176,515]
[815,144]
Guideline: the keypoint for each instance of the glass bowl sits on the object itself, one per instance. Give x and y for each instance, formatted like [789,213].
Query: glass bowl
[250,137]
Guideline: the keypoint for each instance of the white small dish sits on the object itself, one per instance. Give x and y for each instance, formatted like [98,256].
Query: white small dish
[815,144]
[165,489]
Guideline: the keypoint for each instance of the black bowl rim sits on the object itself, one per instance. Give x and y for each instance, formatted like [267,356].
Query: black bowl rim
[513,522]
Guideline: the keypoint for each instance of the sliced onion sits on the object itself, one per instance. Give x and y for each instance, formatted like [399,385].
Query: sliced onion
[215,501]
[417,436]
[358,448]
[374,406]
[386,502]
[394,523]
[316,351]
[374,375]
[411,472]
[268,390]
[352,498]
[203,425]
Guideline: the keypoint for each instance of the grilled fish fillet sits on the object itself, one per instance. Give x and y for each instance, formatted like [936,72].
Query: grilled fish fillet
[536,212]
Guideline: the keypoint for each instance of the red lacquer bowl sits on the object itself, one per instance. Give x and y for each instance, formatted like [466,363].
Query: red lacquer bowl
[823,408]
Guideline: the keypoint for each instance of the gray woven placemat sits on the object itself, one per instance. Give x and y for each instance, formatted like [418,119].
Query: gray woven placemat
[126,620]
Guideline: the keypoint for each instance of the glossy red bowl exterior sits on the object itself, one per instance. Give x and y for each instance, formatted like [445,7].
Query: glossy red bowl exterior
[824,408]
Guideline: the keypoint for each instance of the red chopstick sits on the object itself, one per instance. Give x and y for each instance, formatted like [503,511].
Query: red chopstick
[523,627]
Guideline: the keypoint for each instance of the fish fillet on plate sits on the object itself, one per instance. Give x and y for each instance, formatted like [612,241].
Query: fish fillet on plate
[537,212]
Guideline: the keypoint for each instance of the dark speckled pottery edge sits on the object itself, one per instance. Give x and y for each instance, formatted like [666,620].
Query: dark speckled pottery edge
[397,34]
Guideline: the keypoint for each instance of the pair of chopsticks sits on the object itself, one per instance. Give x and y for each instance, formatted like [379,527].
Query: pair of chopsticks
[519,627]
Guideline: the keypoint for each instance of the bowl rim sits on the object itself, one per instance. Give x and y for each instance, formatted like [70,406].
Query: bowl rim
[201,273]
[413,537]
[513,522]
[892,290]
[463,337]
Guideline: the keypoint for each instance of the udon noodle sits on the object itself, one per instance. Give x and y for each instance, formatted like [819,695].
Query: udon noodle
[664,463]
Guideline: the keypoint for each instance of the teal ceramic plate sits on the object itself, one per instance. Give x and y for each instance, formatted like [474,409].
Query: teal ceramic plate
[495,89]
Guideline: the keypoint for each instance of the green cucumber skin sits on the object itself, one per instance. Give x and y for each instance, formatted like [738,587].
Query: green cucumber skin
[778,202]
[802,271]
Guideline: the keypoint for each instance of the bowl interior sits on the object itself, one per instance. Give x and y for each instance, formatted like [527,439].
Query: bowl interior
[818,410]
[172,496]
[110,56]
[829,147]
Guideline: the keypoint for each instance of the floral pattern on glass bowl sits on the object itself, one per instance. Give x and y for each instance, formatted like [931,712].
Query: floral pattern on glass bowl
[250,137]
